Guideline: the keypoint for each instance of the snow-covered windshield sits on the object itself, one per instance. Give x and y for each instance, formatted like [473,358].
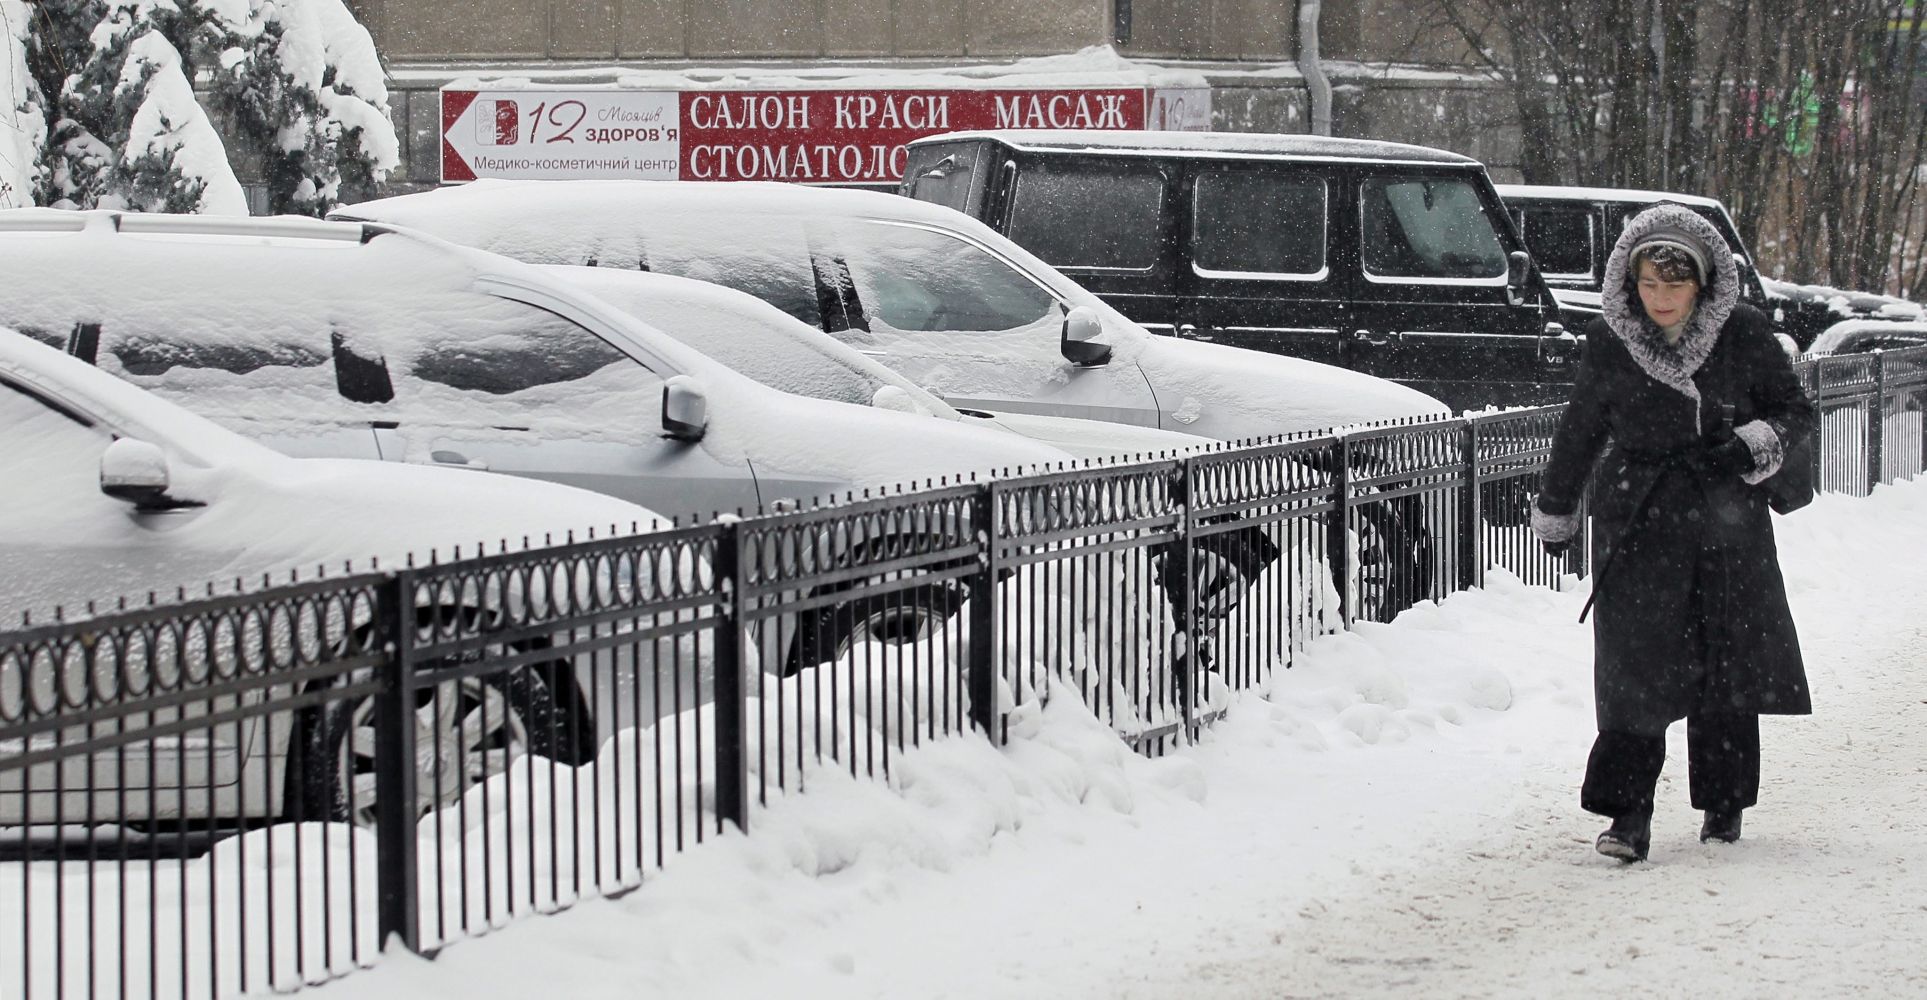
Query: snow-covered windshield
[916,280]
[750,336]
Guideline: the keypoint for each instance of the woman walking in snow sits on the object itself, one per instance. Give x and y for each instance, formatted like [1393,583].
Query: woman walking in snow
[1693,403]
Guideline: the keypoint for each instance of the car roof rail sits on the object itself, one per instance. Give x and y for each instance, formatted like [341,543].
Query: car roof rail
[285,226]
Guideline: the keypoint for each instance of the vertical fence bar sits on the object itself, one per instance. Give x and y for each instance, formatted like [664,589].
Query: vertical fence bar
[980,663]
[1818,451]
[1876,423]
[732,737]
[397,867]
[1471,518]
[1187,604]
[1336,547]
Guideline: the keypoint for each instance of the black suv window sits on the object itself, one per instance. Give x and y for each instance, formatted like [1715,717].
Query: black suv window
[943,175]
[1561,240]
[1428,227]
[1089,215]
[1258,225]
[915,279]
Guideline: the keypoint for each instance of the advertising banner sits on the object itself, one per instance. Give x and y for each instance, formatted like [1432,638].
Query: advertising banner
[815,136]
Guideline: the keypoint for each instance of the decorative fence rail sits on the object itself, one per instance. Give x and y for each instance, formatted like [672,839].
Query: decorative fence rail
[256,792]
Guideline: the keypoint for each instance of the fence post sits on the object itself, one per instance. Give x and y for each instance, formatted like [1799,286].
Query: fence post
[980,659]
[732,737]
[1187,604]
[1336,547]
[1876,423]
[1471,517]
[397,867]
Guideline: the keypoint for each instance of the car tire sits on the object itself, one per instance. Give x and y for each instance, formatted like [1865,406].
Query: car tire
[897,618]
[482,723]
[1395,559]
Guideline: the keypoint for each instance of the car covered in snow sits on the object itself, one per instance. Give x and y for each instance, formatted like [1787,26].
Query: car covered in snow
[782,352]
[111,491]
[924,290]
[360,341]
[1862,336]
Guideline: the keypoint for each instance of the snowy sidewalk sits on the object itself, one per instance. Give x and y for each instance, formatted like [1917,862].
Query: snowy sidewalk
[1400,819]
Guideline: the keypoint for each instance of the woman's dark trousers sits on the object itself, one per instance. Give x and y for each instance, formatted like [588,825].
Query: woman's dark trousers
[1722,759]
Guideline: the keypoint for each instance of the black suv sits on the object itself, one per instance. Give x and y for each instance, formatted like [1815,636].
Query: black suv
[1394,260]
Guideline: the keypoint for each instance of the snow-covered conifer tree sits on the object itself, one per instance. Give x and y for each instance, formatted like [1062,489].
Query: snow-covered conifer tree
[131,133]
[110,116]
[306,90]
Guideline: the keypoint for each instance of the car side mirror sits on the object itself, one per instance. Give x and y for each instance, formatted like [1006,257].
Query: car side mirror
[685,409]
[893,397]
[1079,342]
[1518,265]
[135,471]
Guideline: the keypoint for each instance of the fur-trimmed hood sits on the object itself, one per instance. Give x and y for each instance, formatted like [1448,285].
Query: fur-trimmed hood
[1670,364]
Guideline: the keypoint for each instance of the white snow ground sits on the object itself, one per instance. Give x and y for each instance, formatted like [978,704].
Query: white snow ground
[1399,819]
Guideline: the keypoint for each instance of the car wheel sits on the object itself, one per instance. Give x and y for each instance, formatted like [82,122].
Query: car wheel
[1393,563]
[899,618]
[466,731]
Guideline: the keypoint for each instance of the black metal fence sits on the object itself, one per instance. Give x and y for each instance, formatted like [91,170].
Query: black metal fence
[256,792]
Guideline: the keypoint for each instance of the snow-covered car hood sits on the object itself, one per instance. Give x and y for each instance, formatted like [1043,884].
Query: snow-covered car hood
[1230,393]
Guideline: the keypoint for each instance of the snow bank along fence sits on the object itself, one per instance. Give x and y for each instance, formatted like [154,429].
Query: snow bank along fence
[256,791]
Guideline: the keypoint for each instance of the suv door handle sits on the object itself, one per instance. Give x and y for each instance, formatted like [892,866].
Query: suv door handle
[1365,338]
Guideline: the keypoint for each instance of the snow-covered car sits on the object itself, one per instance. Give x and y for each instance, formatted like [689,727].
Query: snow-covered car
[341,340]
[1862,336]
[781,351]
[111,491]
[925,290]
[934,295]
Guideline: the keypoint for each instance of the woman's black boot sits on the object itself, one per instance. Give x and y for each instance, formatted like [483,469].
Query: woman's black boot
[1628,838]
[1721,826]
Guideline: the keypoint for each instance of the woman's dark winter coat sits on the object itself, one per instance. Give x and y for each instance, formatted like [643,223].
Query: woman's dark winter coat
[1691,610]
